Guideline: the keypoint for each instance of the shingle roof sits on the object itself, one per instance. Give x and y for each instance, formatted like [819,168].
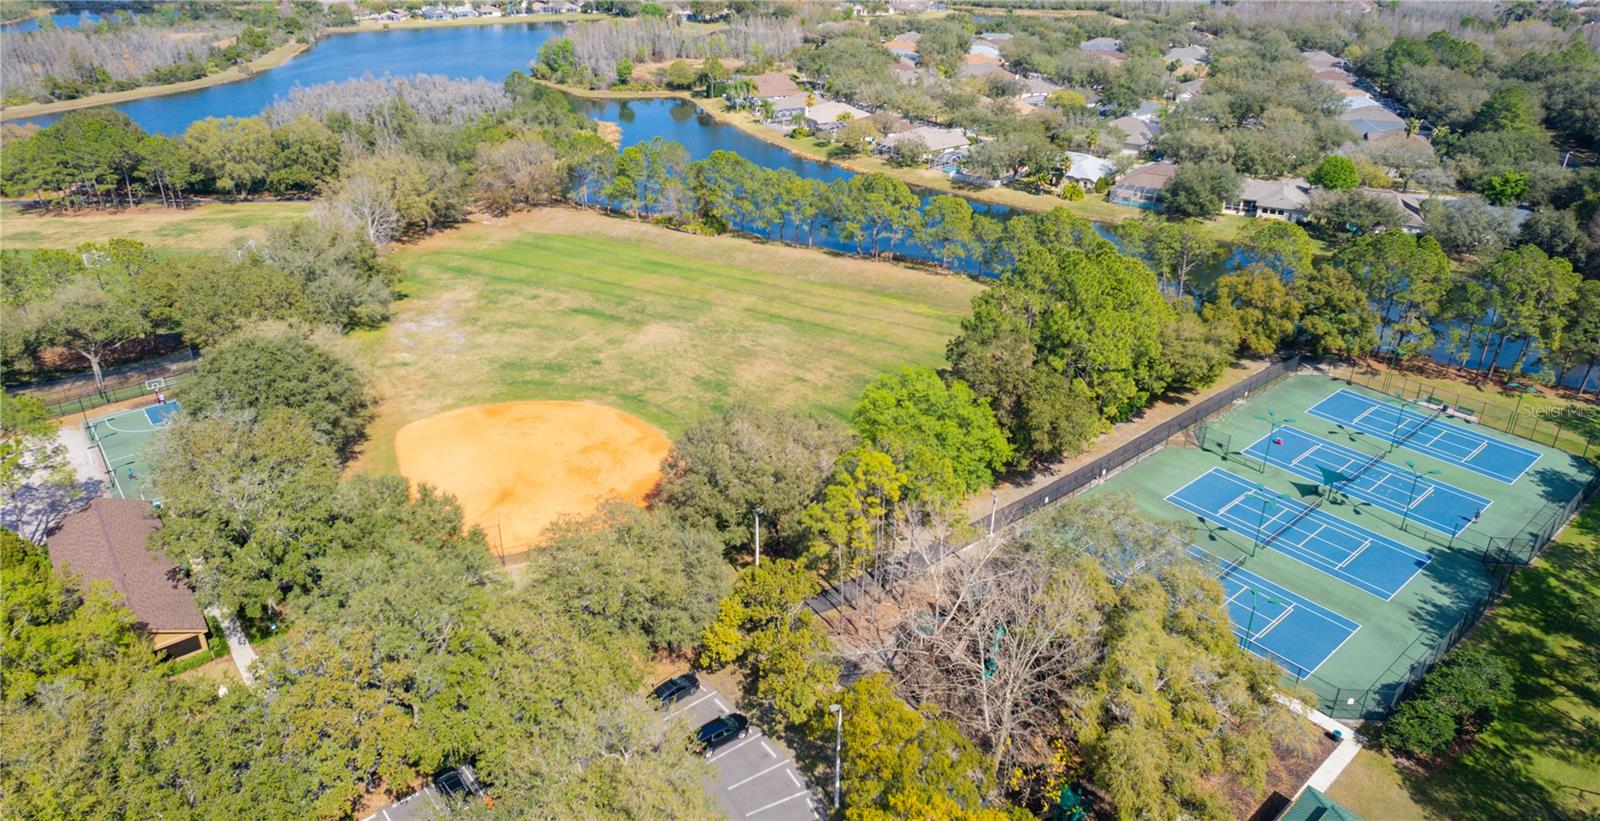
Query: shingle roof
[106,542]
[1293,194]
[774,84]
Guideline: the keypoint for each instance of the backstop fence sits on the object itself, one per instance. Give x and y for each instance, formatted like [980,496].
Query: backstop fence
[79,394]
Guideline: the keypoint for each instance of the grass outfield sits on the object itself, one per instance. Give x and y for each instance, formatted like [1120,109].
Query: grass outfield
[212,225]
[1541,759]
[567,304]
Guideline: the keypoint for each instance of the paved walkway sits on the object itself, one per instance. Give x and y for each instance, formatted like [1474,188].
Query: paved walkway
[238,646]
[1333,766]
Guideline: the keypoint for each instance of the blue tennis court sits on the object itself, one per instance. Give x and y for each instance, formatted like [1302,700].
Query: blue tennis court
[1445,508]
[1277,623]
[1352,554]
[1428,435]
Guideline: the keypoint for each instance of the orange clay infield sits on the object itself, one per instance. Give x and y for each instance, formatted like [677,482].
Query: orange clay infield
[518,466]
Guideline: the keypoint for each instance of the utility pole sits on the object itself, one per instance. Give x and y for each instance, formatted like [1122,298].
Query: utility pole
[994,506]
[758,536]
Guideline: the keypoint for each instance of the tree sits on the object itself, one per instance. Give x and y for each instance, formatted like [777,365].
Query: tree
[346,285]
[1580,340]
[1278,244]
[517,173]
[1469,226]
[1419,727]
[766,626]
[726,466]
[1507,189]
[849,525]
[1258,305]
[1335,173]
[1174,250]
[1196,352]
[1530,292]
[305,155]
[899,762]
[1198,189]
[1404,278]
[946,224]
[1342,215]
[245,505]
[943,436]
[279,367]
[624,71]
[92,316]
[908,152]
[32,458]
[234,153]
[711,73]
[645,575]
[59,636]
[1337,318]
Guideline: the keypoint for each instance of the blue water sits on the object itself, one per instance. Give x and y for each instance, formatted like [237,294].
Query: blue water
[461,52]
[78,19]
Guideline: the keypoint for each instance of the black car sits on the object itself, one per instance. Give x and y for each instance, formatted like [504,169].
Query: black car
[458,785]
[721,730]
[676,688]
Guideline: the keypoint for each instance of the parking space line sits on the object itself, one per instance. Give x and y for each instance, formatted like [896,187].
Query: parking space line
[711,694]
[759,774]
[775,803]
[721,706]
[734,747]
[765,746]
[795,779]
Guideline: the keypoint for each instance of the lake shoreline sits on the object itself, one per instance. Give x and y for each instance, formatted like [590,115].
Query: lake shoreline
[272,59]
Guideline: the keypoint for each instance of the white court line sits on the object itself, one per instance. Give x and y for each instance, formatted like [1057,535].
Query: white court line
[1425,494]
[1360,550]
[757,775]
[690,704]
[1362,415]
[775,803]
[737,746]
[1477,450]
[1271,624]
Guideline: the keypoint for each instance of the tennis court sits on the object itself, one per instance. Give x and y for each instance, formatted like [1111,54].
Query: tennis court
[1275,622]
[1352,554]
[1428,435]
[121,438]
[1443,507]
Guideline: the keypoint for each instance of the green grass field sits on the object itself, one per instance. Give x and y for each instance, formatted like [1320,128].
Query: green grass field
[1541,758]
[562,304]
[1393,634]
[211,225]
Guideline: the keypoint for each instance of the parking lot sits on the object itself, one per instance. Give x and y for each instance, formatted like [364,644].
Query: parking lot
[756,778]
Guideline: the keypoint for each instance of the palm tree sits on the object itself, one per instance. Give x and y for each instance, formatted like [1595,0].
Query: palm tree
[768,110]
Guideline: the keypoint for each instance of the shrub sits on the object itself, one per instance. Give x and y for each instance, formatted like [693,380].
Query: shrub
[1420,727]
[1335,173]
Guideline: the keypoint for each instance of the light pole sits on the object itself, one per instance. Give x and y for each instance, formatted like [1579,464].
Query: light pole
[1274,422]
[758,536]
[1522,391]
[1416,476]
[838,738]
[1255,598]
[1268,499]
[1394,435]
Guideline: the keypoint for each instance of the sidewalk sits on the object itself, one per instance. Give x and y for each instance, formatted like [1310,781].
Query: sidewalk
[238,646]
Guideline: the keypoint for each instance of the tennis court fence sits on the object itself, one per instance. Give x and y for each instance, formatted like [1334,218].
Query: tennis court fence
[1188,424]
[79,394]
[1572,432]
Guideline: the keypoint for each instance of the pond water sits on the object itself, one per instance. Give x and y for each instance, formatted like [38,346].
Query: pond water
[70,20]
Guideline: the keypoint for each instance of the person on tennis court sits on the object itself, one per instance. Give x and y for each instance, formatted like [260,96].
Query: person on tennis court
[130,471]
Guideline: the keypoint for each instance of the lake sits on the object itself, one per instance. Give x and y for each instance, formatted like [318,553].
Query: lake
[72,20]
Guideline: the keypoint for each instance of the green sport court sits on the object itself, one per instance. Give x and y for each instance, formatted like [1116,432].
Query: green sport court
[1351,531]
[121,438]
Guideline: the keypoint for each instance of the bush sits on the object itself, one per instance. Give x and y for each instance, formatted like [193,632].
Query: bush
[1335,173]
[1420,727]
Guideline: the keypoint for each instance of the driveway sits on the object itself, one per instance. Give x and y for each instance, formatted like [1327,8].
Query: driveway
[756,778]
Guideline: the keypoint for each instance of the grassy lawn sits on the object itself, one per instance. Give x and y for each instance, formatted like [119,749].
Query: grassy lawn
[211,225]
[566,304]
[1541,759]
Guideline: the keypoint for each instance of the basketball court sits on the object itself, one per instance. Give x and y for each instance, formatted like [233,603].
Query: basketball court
[120,438]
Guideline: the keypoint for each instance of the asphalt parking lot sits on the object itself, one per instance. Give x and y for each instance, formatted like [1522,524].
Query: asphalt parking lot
[756,778]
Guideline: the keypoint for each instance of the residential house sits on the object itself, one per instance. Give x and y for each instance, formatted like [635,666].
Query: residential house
[1287,199]
[773,85]
[105,544]
[825,116]
[1149,111]
[995,36]
[986,49]
[1136,134]
[1101,44]
[1018,106]
[1085,170]
[1409,206]
[903,71]
[1185,91]
[943,144]
[1335,75]
[977,65]
[1313,805]
[462,11]
[1187,55]
[1037,89]
[1354,97]
[786,110]
[434,13]
[904,46]
[1141,186]
[486,10]
[1372,121]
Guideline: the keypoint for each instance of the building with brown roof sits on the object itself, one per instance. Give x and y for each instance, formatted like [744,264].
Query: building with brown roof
[105,542]
[772,85]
